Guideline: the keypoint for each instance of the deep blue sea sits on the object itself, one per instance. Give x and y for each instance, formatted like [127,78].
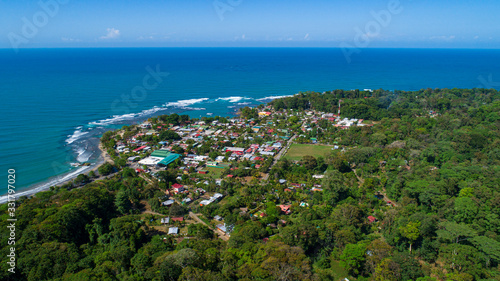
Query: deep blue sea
[56,102]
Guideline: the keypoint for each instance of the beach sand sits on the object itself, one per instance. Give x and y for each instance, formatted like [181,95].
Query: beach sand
[65,178]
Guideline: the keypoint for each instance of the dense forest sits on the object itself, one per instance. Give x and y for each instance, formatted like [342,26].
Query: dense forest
[434,154]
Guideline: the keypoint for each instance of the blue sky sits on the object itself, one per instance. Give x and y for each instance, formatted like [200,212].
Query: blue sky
[264,23]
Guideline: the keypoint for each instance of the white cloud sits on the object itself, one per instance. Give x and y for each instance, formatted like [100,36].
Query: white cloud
[242,37]
[306,37]
[112,34]
[145,38]
[476,37]
[66,39]
[443,37]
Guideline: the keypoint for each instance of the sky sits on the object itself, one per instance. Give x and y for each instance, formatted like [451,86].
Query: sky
[250,23]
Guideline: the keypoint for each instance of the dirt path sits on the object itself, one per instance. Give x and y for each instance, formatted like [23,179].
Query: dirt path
[280,154]
[362,181]
[220,234]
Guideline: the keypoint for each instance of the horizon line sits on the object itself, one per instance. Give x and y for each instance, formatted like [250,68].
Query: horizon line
[242,47]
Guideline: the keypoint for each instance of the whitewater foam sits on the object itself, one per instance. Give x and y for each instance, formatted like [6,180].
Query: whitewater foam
[270,98]
[52,182]
[76,135]
[185,103]
[233,99]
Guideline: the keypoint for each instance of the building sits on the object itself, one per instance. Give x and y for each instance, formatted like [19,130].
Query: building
[179,219]
[226,229]
[178,188]
[173,230]
[285,209]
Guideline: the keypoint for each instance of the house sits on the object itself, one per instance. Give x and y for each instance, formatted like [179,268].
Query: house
[165,220]
[285,209]
[218,218]
[371,219]
[179,219]
[178,188]
[173,230]
[132,158]
[186,200]
[226,229]
[168,203]
[205,202]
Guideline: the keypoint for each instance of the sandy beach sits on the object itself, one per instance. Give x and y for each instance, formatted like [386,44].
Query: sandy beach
[64,178]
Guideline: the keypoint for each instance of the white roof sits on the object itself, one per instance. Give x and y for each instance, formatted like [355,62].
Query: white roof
[168,202]
[205,202]
[173,230]
[150,160]
[236,149]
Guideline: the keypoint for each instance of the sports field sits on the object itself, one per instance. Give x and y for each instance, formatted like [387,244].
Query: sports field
[297,151]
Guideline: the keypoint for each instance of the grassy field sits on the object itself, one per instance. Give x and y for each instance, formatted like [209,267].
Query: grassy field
[214,172]
[297,151]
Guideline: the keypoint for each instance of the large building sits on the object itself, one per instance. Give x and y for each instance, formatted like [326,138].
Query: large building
[160,157]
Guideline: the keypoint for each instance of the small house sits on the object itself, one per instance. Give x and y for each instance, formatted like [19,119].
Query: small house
[173,230]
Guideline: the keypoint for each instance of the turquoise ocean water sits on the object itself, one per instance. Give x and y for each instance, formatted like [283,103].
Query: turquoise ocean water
[56,102]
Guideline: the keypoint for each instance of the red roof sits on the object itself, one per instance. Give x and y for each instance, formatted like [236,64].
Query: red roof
[178,219]
[371,219]
[140,148]
[176,185]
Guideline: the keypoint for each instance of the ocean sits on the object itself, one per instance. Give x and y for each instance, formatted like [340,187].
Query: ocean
[55,103]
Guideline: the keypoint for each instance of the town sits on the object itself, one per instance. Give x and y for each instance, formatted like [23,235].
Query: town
[195,160]
[356,185]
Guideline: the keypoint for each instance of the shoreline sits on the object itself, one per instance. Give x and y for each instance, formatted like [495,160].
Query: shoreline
[64,178]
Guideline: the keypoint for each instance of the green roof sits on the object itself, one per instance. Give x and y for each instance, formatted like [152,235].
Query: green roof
[169,159]
[161,153]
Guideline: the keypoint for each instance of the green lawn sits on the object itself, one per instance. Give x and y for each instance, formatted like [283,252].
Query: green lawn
[214,172]
[297,151]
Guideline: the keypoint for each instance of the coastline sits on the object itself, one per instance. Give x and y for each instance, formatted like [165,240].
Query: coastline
[64,178]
